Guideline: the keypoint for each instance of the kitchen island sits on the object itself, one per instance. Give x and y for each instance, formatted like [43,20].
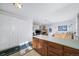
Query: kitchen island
[47,45]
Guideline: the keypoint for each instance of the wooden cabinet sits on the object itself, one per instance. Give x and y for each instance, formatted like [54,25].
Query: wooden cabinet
[40,46]
[70,51]
[43,47]
[55,49]
[49,53]
[35,43]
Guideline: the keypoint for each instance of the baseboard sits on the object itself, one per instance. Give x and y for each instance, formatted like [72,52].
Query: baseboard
[15,49]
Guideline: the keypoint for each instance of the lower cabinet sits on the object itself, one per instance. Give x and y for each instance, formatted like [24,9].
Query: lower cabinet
[51,54]
[55,49]
[40,46]
[35,43]
[46,48]
[70,51]
[43,47]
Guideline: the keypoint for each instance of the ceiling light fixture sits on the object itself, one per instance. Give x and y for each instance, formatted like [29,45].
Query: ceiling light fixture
[18,5]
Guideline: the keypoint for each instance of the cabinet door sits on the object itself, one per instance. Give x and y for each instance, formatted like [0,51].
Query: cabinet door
[70,51]
[55,49]
[35,43]
[43,47]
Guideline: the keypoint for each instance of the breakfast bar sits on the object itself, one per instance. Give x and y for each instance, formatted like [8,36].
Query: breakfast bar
[50,46]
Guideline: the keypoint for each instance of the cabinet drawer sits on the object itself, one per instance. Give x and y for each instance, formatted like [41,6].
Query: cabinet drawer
[51,53]
[55,45]
[56,51]
[71,51]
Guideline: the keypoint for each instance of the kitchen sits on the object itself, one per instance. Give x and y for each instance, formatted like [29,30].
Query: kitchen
[50,29]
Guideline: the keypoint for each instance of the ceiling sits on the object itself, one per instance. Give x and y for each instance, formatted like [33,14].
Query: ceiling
[43,13]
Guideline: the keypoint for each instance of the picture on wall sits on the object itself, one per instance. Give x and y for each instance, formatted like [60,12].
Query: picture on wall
[62,28]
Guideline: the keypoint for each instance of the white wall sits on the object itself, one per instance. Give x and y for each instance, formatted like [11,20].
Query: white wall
[71,26]
[77,25]
[14,31]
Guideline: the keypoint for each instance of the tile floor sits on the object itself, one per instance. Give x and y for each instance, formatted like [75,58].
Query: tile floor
[32,53]
[28,53]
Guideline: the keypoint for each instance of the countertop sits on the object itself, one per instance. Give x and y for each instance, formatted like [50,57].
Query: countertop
[70,43]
